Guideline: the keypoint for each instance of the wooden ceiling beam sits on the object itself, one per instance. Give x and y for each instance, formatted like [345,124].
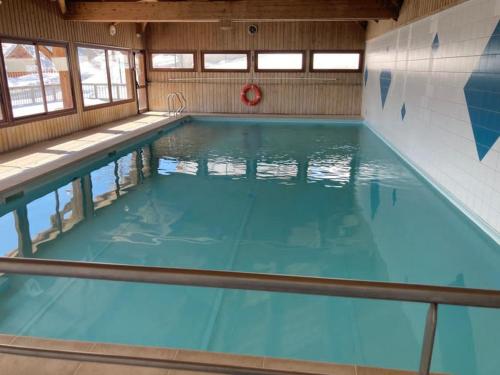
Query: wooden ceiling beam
[240,10]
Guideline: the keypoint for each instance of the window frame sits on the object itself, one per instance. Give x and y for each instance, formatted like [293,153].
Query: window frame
[8,113]
[360,52]
[106,48]
[3,98]
[257,52]
[248,53]
[150,53]
[138,86]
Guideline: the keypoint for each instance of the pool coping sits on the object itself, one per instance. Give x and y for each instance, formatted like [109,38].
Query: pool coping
[276,116]
[448,195]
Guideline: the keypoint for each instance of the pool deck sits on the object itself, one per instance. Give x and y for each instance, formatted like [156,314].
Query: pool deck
[19,365]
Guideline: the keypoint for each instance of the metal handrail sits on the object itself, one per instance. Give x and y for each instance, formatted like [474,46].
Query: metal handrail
[171,109]
[183,101]
[170,364]
[170,103]
[434,295]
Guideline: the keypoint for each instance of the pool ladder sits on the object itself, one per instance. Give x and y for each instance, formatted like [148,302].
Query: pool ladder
[172,98]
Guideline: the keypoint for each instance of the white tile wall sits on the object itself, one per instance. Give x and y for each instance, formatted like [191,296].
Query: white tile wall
[436,134]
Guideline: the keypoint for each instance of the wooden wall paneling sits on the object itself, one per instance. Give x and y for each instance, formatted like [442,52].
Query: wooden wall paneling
[281,95]
[40,19]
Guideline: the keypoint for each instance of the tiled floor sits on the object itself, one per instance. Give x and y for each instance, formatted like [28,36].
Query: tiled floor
[30,163]
[19,365]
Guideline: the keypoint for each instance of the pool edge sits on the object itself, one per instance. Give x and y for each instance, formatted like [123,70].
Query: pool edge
[474,218]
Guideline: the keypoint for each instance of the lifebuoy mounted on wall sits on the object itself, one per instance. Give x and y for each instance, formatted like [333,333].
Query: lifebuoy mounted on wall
[257,94]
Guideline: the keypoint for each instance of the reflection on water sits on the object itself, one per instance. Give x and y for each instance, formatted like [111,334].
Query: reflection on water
[226,166]
[329,201]
[374,197]
[336,171]
[285,169]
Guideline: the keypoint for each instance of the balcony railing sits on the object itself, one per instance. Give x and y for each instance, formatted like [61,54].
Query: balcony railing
[26,96]
[100,91]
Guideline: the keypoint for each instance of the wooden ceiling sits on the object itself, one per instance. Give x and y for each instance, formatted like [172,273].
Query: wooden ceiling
[234,10]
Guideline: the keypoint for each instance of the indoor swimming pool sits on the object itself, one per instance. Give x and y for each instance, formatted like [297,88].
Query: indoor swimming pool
[297,197]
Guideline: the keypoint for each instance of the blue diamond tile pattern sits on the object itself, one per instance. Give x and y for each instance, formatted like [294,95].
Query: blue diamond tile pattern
[435,43]
[385,84]
[403,111]
[482,95]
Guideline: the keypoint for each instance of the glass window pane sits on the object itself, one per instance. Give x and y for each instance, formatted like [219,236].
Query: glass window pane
[173,60]
[119,71]
[280,61]
[142,99]
[23,79]
[225,61]
[56,77]
[333,61]
[93,75]
[140,69]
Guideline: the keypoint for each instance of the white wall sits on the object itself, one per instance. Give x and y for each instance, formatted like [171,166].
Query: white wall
[437,135]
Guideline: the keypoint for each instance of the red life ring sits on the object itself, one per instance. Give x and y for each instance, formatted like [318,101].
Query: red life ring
[257,94]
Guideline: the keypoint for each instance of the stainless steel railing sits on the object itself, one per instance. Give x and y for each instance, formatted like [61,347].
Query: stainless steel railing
[170,364]
[172,110]
[433,295]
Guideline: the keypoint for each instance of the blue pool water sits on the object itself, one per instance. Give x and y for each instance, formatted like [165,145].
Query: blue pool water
[287,197]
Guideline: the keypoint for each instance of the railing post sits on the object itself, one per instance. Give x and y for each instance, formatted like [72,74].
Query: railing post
[32,95]
[428,342]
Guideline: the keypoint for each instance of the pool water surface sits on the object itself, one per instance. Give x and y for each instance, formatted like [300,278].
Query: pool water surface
[325,199]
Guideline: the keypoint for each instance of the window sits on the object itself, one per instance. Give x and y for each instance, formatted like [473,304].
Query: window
[285,61]
[335,61]
[105,76]
[173,61]
[93,76]
[38,78]
[56,77]
[140,79]
[235,61]
[119,71]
